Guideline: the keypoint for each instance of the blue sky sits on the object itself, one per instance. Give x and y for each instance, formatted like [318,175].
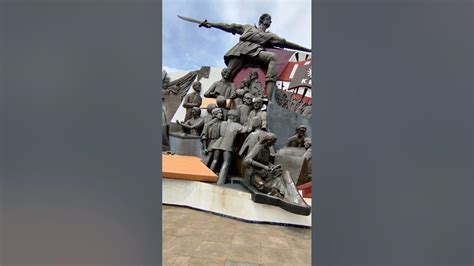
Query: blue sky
[188,47]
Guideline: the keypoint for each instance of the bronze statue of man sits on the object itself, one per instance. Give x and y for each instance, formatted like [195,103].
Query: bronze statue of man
[251,47]
[222,104]
[269,178]
[208,116]
[223,87]
[210,133]
[255,86]
[225,144]
[239,99]
[257,134]
[194,124]
[244,85]
[259,112]
[264,175]
[192,99]
[297,140]
[245,108]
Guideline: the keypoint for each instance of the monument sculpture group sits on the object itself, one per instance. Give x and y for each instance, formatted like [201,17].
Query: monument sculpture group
[233,131]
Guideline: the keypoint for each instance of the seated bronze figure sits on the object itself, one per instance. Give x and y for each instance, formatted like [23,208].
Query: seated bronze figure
[194,124]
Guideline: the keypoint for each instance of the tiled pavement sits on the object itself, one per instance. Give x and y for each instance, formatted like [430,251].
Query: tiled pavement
[192,237]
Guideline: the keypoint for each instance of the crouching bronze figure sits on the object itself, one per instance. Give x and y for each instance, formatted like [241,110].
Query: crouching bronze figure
[268,183]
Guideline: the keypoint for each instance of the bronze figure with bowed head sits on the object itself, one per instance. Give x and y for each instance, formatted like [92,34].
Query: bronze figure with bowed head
[271,179]
[256,135]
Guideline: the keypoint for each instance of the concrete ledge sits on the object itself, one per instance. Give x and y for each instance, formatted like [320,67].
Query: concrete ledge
[227,201]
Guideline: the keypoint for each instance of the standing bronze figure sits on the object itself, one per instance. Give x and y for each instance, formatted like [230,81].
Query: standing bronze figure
[245,108]
[208,116]
[255,86]
[222,104]
[192,99]
[259,112]
[210,133]
[224,146]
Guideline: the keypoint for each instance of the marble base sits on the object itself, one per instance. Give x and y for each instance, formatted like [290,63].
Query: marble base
[227,201]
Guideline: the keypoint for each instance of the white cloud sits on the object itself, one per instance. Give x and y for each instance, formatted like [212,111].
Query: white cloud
[291,20]
[173,70]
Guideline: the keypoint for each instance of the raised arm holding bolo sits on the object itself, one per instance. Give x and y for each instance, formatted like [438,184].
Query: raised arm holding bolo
[251,47]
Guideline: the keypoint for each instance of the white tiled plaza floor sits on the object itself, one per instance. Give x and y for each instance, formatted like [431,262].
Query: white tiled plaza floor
[192,237]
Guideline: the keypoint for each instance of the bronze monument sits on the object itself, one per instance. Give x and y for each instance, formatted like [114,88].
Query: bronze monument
[251,47]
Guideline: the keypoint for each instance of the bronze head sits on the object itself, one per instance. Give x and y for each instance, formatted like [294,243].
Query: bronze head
[225,73]
[269,139]
[257,103]
[210,107]
[217,113]
[265,19]
[232,115]
[301,130]
[197,86]
[247,98]
[196,111]
[221,101]
[253,75]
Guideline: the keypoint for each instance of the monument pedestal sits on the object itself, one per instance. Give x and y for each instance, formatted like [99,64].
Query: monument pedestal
[185,144]
[228,202]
